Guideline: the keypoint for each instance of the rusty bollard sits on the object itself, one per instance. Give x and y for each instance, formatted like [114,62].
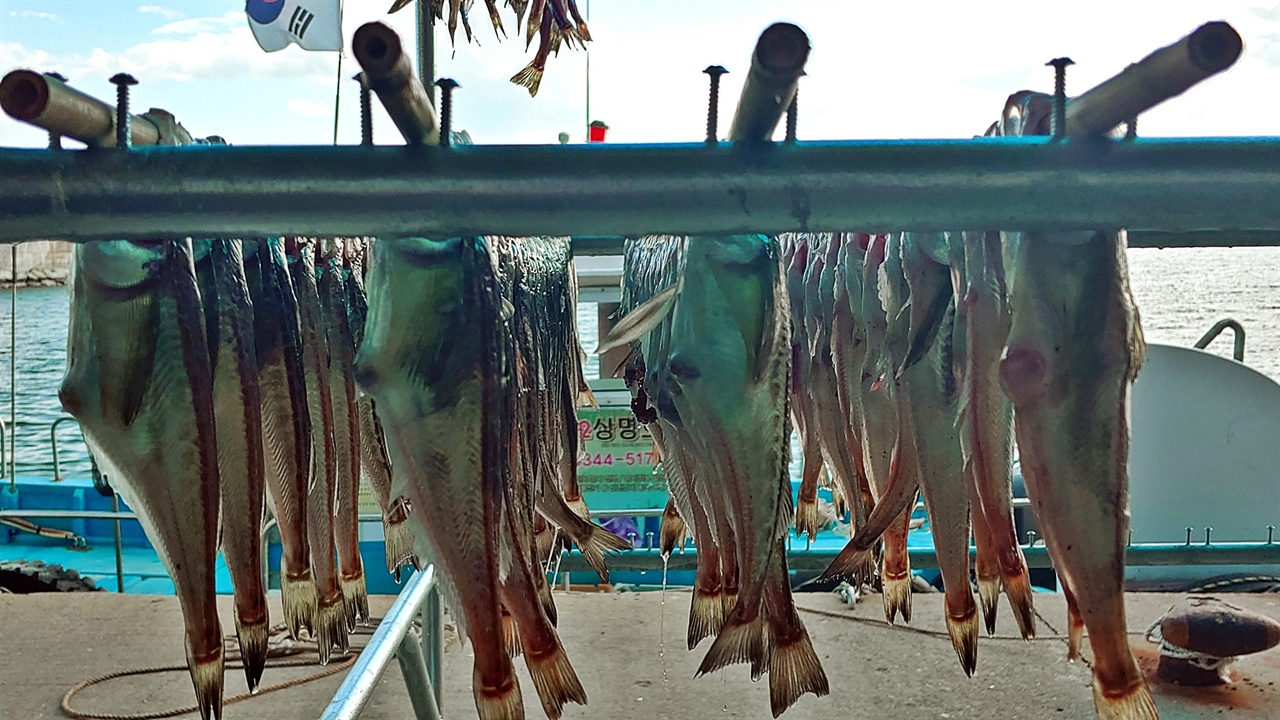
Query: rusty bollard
[1200,636]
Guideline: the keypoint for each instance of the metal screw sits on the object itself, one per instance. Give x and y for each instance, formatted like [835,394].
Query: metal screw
[366,111]
[123,81]
[648,539]
[1059,127]
[447,86]
[791,117]
[1031,538]
[1207,531]
[1189,529]
[1271,532]
[631,538]
[713,102]
[55,140]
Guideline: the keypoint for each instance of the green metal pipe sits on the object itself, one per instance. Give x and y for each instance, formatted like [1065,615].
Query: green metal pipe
[1139,555]
[1006,183]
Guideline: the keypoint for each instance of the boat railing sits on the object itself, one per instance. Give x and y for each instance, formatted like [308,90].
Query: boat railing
[1216,330]
[53,443]
[410,632]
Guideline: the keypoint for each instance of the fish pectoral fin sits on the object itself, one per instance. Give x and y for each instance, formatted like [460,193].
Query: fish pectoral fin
[640,321]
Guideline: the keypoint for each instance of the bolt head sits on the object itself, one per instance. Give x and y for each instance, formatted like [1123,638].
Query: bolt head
[715,70]
[447,84]
[123,79]
[1060,62]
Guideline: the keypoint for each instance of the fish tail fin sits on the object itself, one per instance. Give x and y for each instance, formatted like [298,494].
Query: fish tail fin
[530,77]
[554,680]
[728,601]
[544,597]
[794,670]
[207,677]
[897,597]
[330,629]
[511,635]
[706,615]
[1135,703]
[1017,586]
[498,703]
[963,629]
[399,546]
[807,518]
[597,542]
[298,596]
[579,507]
[252,637]
[587,398]
[740,641]
[852,563]
[672,531]
[355,599]
[989,597]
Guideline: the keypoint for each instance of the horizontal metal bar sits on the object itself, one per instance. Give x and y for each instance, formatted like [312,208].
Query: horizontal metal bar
[108,515]
[358,686]
[594,189]
[654,512]
[1138,555]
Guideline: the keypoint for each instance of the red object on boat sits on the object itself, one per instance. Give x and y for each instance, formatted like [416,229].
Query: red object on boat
[596,131]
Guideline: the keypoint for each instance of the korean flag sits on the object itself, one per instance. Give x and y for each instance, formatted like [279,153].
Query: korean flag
[312,24]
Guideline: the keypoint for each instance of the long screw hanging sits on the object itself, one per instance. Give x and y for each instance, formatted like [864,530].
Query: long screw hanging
[713,102]
[55,140]
[123,81]
[1059,127]
[366,111]
[447,86]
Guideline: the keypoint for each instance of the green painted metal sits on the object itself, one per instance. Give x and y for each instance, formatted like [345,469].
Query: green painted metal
[1174,185]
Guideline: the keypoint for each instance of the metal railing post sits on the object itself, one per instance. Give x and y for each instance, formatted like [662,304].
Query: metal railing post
[433,642]
[53,442]
[413,666]
[115,507]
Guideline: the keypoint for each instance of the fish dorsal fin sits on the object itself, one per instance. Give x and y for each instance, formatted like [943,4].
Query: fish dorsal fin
[640,321]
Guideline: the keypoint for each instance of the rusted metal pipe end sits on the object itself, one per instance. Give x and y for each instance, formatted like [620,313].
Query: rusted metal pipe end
[377,48]
[24,94]
[783,48]
[1214,46]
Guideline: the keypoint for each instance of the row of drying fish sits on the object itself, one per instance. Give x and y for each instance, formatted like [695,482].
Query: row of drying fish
[471,353]
[903,360]
[212,376]
[555,22]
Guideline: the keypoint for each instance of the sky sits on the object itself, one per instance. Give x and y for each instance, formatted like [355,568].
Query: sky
[878,69]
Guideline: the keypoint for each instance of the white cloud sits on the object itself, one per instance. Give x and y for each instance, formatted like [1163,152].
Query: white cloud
[194,26]
[36,15]
[164,12]
[308,108]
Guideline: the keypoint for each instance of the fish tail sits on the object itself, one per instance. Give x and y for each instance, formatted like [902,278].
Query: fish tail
[530,77]
[355,599]
[1135,703]
[555,680]
[579,507]
[1017,586]
[673,530]
[706,615]
[511,635]
[794,670]
[594,546]
[741,640]
[207,677]
[851,563]
[298,596]
[963,629]
[252,637]
[989,597]
[1075,630]
[544,596]
[895,574]
[330,629]
[807,517]
[399,546]
[501,702]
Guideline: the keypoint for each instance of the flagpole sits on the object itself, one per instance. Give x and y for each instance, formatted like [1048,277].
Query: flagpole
[337,97]
[587,121]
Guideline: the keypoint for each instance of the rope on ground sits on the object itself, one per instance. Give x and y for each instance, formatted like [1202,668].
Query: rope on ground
[233,663]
